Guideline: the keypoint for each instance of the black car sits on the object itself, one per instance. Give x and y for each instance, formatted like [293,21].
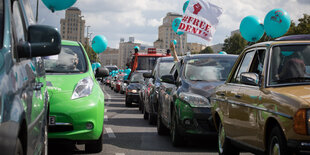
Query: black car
[150,102]
[184,101]
[135,84]
[23,94]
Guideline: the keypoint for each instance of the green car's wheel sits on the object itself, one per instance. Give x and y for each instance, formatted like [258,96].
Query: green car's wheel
[224,145]
[176,138]
[94,146]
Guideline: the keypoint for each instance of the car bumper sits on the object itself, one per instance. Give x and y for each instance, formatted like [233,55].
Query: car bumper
[195,121]
[299,146]
[133,97]
[73,118]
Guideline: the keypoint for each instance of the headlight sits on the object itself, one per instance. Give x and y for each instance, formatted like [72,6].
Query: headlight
[302,122]
[195,100]
[132,91]
[83,88]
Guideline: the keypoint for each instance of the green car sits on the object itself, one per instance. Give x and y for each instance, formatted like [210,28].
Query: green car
[76,99]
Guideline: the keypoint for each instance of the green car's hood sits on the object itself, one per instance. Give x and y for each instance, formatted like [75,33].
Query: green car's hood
[63,83]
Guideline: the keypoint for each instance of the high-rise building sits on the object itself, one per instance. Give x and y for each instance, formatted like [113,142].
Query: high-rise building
[109,57]
[126,49]
[166,35]
[195,47]
[72,26]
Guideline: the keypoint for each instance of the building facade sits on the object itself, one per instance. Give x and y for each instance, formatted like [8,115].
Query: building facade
[195,47]
[126,49]
[72,26]
[166,35]
[109,57]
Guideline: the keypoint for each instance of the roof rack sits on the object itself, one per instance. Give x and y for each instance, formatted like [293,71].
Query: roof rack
[294,37]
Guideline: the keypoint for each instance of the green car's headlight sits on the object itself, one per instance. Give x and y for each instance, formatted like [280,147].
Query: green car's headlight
[195,100]
[83,88]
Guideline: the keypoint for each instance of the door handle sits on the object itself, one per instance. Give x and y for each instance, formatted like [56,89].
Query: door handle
[237,96]
[38,86]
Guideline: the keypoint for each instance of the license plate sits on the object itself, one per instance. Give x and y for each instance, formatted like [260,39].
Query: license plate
[51,120]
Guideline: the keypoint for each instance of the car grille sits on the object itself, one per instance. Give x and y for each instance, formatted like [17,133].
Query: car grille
[204,124]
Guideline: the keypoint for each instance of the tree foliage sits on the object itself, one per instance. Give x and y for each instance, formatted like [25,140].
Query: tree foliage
[234,44]
[92,55]
[207,50]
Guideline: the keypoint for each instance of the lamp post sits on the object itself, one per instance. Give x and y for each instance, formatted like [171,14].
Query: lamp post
[87,27]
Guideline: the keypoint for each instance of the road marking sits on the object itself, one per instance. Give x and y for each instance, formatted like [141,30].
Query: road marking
[110,133]
[105,118]
[105,110]
[119,153]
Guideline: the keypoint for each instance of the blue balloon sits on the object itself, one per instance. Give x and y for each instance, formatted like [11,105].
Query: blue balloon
[185,6]
[222,52]
[175,25]
[137,47]
[99,44]
[251,28]
[56,5]
[93,66]
[98,65]
[277,22]
[174,42]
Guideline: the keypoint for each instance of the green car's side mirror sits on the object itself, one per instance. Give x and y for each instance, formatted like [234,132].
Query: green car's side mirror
[43,40]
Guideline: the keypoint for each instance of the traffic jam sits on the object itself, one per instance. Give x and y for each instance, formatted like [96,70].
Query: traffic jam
[255,102]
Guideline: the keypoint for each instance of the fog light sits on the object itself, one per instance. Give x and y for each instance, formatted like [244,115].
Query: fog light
[187,122]
[89,126]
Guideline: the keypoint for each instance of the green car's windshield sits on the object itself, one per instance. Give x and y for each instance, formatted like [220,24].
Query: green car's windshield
[210,69]
[290,65]
[138,77]
[165,67]
[70,60]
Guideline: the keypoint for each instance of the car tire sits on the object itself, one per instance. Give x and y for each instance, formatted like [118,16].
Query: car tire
[145,114]
[176,138]
[161,128]
[19,148]
[277,142]
[94,146]
[224,144]
[128,103]
[152,119]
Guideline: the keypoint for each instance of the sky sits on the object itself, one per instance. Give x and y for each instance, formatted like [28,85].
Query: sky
[117,19]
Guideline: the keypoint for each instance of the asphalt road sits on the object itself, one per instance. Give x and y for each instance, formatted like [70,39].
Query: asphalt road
[127,133]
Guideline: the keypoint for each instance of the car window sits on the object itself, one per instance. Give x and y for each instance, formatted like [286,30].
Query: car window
[210,69]
[164,68]
[70,60]
[138,77]
[18,24]
[290,65]
[243,66]
[258,62]
[29,12]
[1,23]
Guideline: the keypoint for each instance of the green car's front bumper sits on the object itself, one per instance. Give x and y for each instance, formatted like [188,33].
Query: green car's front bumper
[74,118]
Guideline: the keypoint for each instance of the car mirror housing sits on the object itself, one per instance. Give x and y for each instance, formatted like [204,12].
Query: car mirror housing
[147,75]
[102,72]
[43,40]
[249,78]
[168,79]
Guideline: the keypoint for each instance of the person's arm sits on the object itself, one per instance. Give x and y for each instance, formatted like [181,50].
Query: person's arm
[174,53]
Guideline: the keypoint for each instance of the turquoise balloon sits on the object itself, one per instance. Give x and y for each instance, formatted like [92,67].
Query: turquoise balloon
[93,66]
[222,52]
[99,44]
[251,28]
[98,65]
[174,42]
[175,25]
[56,5]
[277,22]
[137,47]
[185,6]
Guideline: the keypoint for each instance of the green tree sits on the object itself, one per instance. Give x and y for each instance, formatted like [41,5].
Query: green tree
[234,44]
[303,26]
[207,50]
[92,55]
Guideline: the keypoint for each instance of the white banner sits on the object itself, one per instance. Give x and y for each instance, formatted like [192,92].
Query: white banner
[201,18]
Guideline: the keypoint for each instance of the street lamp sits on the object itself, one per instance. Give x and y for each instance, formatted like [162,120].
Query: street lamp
[87,27]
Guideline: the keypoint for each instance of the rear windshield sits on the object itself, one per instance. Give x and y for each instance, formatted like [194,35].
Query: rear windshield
[137,77]
[70,60]
[210,69]
[146,63]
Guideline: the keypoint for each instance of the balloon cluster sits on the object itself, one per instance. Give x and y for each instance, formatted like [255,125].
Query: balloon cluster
[177,21]
[95,65]
[276,23]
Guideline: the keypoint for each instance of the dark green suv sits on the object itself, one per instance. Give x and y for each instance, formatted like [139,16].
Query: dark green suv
[23,95]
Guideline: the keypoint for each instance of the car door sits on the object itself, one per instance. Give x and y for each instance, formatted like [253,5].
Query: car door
[233,116]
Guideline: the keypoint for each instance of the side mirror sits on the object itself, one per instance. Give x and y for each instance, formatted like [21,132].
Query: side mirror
[102,72]
[249,78]
[126,81]
[148,75]
[43,40]
[168,79]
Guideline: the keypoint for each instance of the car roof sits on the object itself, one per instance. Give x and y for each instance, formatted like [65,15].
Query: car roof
[70,43]
[210,55]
